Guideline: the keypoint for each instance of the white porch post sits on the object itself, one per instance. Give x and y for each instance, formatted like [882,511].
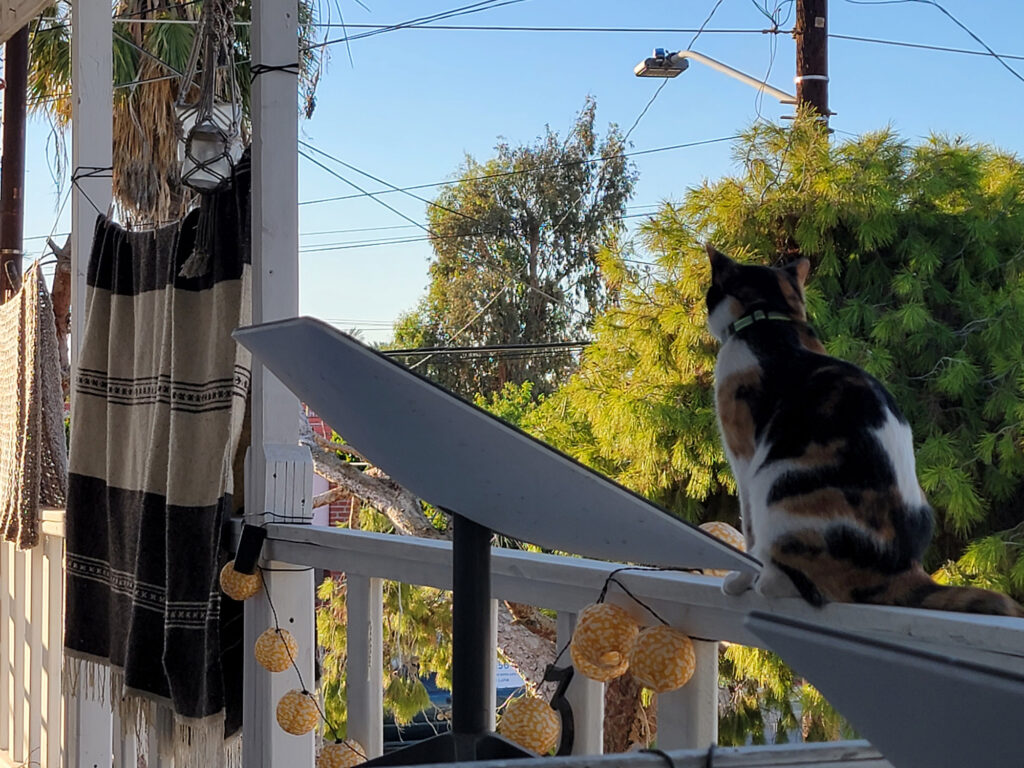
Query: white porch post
[279,473]
[88,724]
[92,141]
[688,717]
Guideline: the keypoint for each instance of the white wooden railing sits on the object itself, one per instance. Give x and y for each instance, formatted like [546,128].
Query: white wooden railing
[31,648]
[687,718]
[41,727]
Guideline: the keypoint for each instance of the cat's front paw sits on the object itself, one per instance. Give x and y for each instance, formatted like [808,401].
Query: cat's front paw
[772,582]
[737,582]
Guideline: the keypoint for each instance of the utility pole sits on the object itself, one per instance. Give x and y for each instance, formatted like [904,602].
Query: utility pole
[12,173]
[811,33]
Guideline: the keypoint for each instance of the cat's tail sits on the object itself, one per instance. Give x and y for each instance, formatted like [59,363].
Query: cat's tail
[917,590]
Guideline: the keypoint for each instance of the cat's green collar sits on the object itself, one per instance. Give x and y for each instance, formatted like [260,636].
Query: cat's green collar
[754,317]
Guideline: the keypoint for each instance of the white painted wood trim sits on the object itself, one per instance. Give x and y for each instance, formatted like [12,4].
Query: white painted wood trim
[19,726]
[585,696]
[278,478]
[688,717]
[6,640]
[693,603]
[51,754]
[91,142]
[35,605]
[364,606]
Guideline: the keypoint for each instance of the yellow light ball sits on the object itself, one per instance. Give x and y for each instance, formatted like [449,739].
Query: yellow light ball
[662,659]
[729,535]
[531,723]
[275,649]
[297,712]
[238,586]
[341,754]
[602,640]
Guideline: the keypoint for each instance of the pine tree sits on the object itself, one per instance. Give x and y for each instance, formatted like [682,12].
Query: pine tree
[917,276]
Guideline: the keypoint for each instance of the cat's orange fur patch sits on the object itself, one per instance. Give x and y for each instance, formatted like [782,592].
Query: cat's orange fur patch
[734,413]
[792,296]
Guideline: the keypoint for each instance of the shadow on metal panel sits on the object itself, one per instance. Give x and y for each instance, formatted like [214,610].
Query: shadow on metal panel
[462,458]
[920,709]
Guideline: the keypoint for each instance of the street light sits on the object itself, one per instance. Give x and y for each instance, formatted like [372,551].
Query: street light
[665,64]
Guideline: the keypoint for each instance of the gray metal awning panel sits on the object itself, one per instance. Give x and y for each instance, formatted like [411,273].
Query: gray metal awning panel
[458,456]
[919,708]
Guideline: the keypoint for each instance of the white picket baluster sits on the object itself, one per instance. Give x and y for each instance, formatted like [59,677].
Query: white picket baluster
[688,717]
[364,673]
[585,696]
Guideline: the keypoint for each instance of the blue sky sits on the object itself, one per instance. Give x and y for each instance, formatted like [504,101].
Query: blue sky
[414,102]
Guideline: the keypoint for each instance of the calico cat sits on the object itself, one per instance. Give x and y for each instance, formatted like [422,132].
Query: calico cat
[822,456]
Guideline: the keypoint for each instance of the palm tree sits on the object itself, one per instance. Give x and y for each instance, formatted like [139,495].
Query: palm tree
[152,40]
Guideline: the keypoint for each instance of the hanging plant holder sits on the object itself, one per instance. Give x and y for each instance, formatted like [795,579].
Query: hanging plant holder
[210,139]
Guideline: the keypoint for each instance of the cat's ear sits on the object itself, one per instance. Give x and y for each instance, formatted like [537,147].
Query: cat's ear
[799,269]
[721,265]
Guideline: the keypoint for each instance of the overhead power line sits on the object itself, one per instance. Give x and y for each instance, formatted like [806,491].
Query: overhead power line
[535,169]
[925,46]
[941,9]
[489,348]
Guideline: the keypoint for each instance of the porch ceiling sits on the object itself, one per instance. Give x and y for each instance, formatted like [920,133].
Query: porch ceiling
[15,14]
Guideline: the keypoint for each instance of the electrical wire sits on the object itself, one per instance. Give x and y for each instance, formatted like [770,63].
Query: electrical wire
[345,245]
[489,348]
[388,184]
[484,5]
[924,46]
[952,18]
[485,262]
[464,328]
[535,169]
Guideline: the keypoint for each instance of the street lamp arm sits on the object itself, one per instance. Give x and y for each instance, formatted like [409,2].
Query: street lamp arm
[753,82]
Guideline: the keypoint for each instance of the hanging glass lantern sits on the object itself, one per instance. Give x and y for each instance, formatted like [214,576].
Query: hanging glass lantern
[210,141]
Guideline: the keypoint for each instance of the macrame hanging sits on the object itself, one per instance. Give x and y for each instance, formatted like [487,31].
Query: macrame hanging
[210,123]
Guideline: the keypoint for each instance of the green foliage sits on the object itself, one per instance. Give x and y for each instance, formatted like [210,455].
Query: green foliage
[517,247]
[511,403]
[917,276]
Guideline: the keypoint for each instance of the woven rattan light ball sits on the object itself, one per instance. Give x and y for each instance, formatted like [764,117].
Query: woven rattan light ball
[600,645]
[729,535]
[238,586]
[342,754]
[297,712]
[275,649]
[662,659]
[531,723]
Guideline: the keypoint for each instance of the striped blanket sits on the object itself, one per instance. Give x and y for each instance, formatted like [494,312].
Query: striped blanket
[159,400]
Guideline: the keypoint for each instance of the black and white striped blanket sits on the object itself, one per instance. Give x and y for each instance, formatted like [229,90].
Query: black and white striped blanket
[160,390]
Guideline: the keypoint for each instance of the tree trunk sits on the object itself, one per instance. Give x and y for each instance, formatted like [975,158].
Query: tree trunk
[60,297]
[626,721]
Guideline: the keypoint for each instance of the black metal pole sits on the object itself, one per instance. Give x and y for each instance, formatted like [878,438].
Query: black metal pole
[471,617]
[12,178]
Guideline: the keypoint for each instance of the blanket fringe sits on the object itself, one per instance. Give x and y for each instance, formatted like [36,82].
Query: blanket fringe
[86,678]
[190,742]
